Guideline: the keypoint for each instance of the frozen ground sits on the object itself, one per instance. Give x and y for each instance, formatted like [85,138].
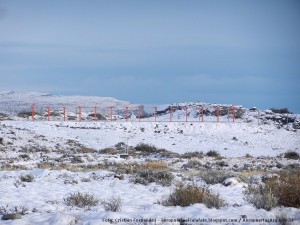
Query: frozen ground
[65,157]
[230,139]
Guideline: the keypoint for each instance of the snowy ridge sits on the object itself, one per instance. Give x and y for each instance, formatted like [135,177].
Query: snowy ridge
[12,103]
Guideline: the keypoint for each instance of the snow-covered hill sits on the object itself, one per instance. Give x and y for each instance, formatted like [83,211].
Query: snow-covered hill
[12,103]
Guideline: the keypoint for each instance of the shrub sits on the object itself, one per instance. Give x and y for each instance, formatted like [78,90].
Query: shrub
[214,176]
[98,116]
[213,201]
[113,204]
[155,165]
[25,114]
[24,156]
[85,179]
[248,156]
[3,116]
[87,150]
[189,155]
[163,153]
[287,188]
[123,169]
[291,155]
[282,191]
[4,210]
[76,159]
[281,111]
[148,176]
[111,151]
[186,195]
[146,148]
[261,197]
[26,178]
[193,163]
[81,200]
[212,153]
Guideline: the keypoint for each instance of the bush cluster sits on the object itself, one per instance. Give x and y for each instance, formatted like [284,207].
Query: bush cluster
[26,178]
[291,155]
[282,191]
[146,148]
[281,111]
[112,204]
[145,177]
[212,153]
[186,195]
[214,176]
[81,200]
[189,155]
[155,165]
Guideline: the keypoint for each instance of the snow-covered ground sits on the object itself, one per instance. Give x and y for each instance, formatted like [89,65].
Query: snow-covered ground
[65,157]
[230,139]
[50,142]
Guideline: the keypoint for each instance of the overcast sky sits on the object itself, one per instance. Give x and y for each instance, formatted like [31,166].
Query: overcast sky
[234,52]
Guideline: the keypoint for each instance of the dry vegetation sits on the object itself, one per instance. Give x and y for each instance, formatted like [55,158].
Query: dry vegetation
[81,200]
[291,155]
[145,177]
[112,204]
[155,165]
[186,195]
[277,191]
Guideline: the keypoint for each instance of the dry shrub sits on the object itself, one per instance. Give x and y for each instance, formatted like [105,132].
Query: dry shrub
[4,210]
[25,114]
[214,176]
[186,195]
[283,191]
[193,163]
[163,153]
[110,151]
[71,167]
[112,204]
[81,200]
[24,156]
[189,155]
[146,148]
[87,150]
[155,165]
[98,116]
[287,188]
[281,111]
[145,177]
[212,153]
[26,178]
[85,179]
[291,155]
[261,197]
[123,169]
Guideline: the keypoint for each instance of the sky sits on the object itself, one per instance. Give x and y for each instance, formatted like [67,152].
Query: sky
[154,52]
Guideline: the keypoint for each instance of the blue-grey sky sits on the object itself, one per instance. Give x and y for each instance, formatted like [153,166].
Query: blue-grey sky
[159,51]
